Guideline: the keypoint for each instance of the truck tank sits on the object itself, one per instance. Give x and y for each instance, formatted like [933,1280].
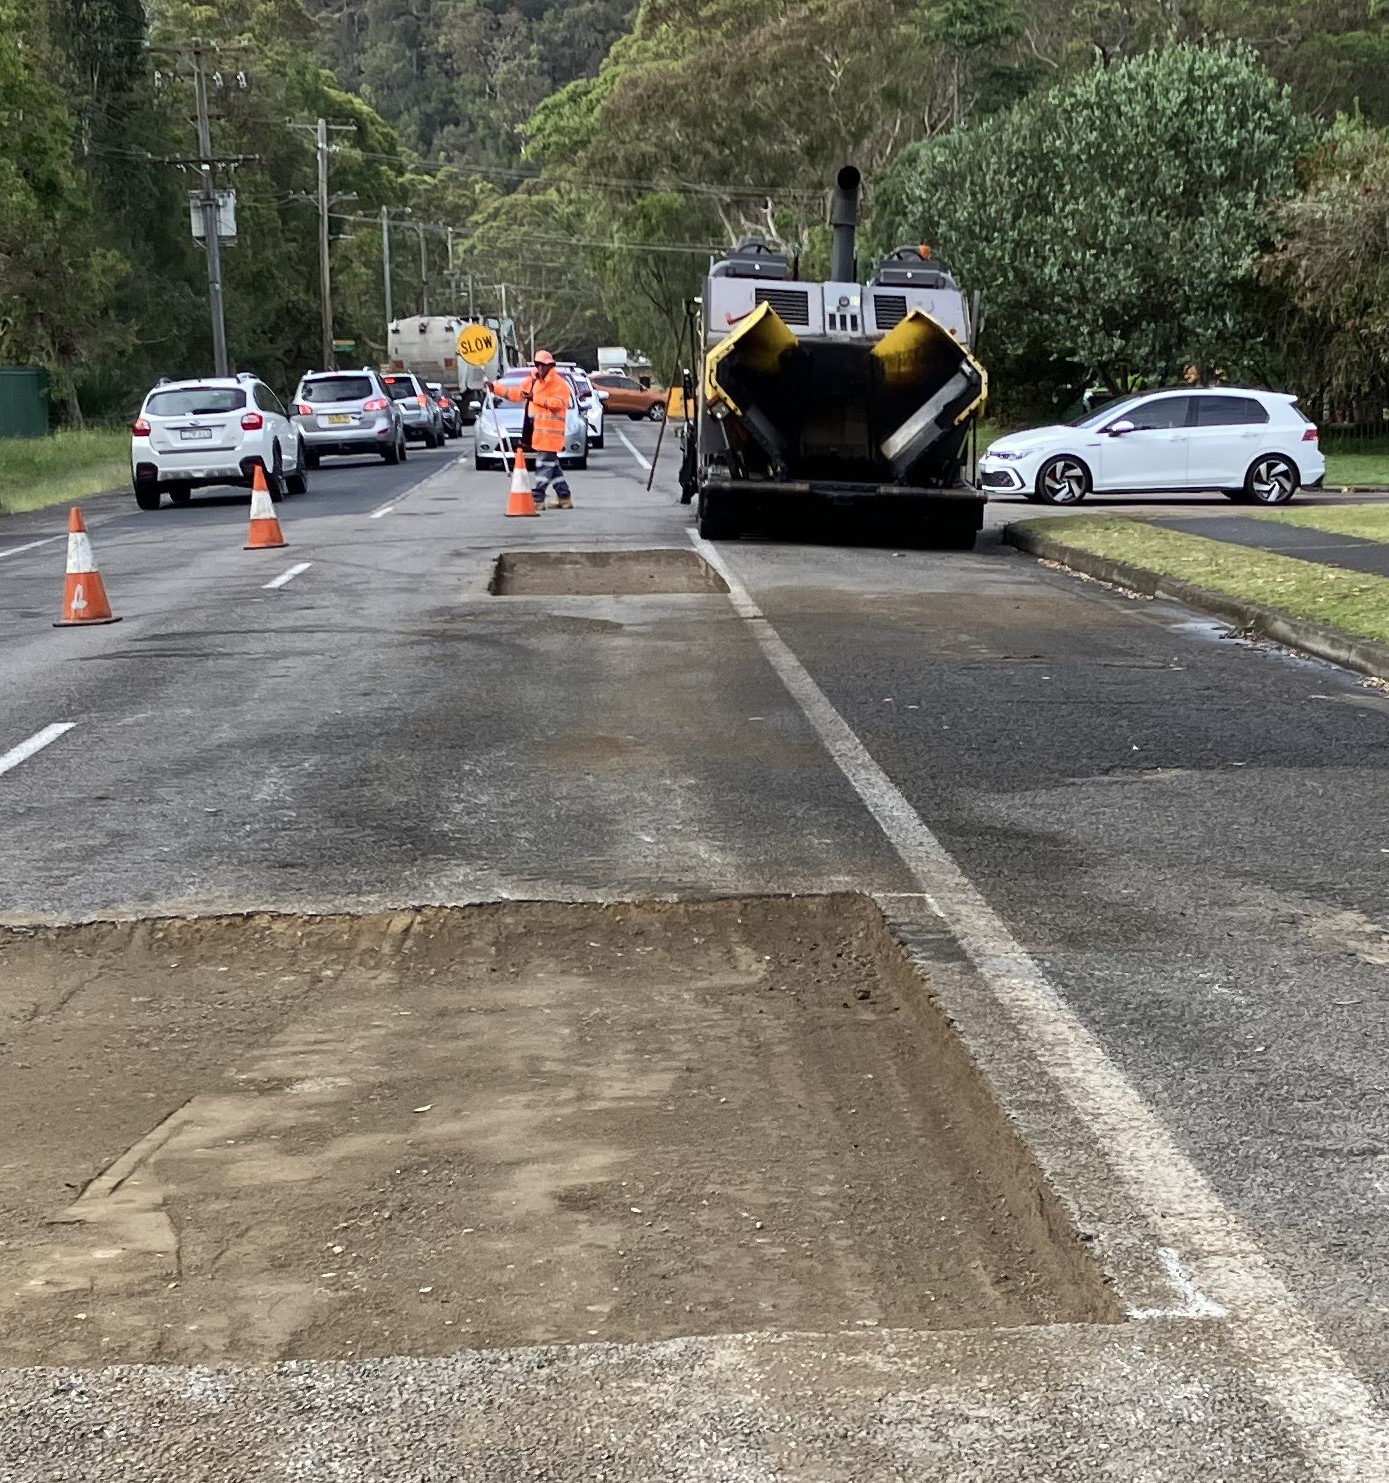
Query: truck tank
[835,393]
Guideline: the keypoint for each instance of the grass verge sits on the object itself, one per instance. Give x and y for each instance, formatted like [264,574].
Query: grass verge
[1371,522]
[1353,602]
[72,465]
[1365,461]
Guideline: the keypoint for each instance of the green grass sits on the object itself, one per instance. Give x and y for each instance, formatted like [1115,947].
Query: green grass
[1351,601]
[49,471]
[1368,521]
[1356,461]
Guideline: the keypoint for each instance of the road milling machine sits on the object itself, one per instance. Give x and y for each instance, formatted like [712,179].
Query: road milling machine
[819,398]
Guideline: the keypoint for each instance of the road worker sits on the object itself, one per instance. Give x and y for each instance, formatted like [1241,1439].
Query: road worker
[547,399]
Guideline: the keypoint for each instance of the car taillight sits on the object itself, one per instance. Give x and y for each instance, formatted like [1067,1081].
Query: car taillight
[304,409]
[376,404]
[1310,435]
[252,422]
[444,402]
[422,400]
[140,427]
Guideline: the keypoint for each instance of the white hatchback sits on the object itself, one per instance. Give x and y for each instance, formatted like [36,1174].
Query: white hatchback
[1257,446]
[214,431]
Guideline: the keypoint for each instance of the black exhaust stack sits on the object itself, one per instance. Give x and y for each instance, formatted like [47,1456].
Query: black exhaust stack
[843,225]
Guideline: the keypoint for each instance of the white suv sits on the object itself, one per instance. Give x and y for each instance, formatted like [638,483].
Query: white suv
[1257,446]
[213,431]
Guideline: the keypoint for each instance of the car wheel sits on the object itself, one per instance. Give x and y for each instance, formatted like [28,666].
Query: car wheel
[275,476]
[581,463]
[391,454]
[1063,481]
[298,481]
[1271,480]
[656,413]
[596,442]
[311,459]
[147,496]
[179,494]
[479,465]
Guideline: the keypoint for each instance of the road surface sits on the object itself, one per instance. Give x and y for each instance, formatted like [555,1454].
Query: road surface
[690,953]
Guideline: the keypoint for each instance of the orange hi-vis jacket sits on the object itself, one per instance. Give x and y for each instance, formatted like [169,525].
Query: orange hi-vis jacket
[550,400]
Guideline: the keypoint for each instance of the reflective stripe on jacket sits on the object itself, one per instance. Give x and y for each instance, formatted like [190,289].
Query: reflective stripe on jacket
[549,400]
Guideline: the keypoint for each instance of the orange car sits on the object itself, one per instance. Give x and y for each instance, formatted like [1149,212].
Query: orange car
[626,395]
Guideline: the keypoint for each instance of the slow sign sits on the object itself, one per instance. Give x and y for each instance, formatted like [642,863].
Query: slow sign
[477,344]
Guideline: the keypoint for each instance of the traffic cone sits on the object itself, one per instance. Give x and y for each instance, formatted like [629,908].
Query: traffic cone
[265,523]
[522,501]
[84,599]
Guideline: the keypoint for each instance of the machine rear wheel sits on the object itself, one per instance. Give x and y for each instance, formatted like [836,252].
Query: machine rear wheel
[715,522]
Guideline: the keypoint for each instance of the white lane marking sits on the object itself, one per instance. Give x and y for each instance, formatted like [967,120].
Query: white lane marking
[36,743]
[29,545]
[384,510]
[288,576]
[1194,1304]
[636,452]
[1324,1403]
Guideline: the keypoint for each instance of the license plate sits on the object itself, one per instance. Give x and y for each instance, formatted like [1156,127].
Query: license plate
[339,419]
[194,434]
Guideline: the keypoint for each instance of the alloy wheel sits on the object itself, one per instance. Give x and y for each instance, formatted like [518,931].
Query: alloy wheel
[1062,482]
[1271,481]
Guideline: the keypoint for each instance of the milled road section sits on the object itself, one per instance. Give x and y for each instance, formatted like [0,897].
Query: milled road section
[996,783]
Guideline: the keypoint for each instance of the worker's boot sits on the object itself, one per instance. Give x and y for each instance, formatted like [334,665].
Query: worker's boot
[564,503]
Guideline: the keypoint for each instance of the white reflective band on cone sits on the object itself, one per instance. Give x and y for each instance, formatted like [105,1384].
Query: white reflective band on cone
[80,558]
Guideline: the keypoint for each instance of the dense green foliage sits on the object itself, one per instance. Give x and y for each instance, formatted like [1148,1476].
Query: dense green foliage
[1108,171]
[1113,222]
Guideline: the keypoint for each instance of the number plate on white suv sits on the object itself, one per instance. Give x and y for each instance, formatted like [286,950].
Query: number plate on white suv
[191,434]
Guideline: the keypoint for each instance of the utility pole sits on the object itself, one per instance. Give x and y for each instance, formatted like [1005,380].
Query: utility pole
[325,279]
[472,312]
[386,261]
[211,237]
[452,279]
[424,274]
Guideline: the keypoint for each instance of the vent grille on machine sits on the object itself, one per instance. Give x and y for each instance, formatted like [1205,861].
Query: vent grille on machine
[792,304]
[889,310]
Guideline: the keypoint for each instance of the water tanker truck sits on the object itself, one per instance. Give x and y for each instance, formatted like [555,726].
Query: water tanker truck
[833,396]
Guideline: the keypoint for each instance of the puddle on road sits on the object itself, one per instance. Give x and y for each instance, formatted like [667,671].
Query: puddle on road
[603,573]
[412,1133]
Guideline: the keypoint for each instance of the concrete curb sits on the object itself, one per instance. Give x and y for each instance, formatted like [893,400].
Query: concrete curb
[1364,655]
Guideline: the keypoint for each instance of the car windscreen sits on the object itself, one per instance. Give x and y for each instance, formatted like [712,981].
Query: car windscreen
[402,391]
[1098,415]
[337,389]
[191,401]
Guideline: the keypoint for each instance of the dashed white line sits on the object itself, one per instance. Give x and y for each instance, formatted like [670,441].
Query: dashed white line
[287,576]
[1322,1400]
[384,510]
[36,743]
[29,545]
[636,452]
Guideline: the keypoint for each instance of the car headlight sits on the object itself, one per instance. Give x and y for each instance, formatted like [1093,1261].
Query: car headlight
[1006,454]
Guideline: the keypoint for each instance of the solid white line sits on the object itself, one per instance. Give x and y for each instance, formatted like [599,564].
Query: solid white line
[636,452]
[384,510]
[1325,1404]
[288,576]
[36,743]
[29,546]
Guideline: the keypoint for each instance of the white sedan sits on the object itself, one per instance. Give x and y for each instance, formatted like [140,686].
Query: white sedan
[1257,446]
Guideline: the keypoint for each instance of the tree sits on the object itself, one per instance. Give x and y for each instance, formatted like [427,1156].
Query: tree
[1113,223]
[1332,263]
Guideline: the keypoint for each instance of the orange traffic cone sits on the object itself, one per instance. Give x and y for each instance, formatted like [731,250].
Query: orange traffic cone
[522,501]
[84,600]
[265,524]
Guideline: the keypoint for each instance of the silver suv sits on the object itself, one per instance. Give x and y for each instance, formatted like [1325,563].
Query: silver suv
[423,419]
[349,413]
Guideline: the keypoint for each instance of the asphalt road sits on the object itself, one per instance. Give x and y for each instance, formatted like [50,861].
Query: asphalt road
[1184,835]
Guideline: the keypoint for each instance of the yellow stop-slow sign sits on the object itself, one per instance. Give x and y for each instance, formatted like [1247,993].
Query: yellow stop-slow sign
[477,344]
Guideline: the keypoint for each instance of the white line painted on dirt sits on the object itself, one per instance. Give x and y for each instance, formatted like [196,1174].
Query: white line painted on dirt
[29,545]
[1325,1404]
[287,576]
[1195,1304]
[384,510]
[36,743]
[636,452]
